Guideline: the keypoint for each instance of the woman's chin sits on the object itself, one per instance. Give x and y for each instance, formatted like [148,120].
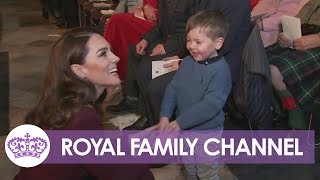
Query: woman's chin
[114,82]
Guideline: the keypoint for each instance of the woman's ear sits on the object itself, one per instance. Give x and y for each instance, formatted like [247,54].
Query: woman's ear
[78,70]
[219,43]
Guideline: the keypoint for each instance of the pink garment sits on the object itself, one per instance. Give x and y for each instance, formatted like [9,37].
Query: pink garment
[271,21]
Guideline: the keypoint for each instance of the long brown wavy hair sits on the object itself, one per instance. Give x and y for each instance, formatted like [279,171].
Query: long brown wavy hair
[64,93]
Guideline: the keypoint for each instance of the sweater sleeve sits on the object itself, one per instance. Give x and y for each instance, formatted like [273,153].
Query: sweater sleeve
[273,22]
[265,6]
[169,101]
[210,104]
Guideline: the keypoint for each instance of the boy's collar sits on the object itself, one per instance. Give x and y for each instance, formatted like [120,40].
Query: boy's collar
[210,60]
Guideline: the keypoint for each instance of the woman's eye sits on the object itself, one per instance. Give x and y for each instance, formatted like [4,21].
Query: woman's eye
[103,54]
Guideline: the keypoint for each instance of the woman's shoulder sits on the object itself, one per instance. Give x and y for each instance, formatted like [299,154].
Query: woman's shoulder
[86,118]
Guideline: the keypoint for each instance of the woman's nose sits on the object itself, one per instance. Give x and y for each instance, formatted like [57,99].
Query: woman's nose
[115,59]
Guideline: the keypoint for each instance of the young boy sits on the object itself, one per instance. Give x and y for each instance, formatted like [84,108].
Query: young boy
[200,87]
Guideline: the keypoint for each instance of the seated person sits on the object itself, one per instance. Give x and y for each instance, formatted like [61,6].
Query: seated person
[129,6]
[81,67]
[165,39]
[124,29]
[269,13]
[296,73]
[208,74]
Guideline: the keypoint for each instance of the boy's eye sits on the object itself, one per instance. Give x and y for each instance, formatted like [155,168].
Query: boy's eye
[198,42]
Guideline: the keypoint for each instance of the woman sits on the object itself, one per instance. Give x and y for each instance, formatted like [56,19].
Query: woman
[81,66]
[267,14]
[296,73]
[127,28]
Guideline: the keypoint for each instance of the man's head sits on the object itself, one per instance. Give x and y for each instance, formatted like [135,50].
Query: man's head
[206,32]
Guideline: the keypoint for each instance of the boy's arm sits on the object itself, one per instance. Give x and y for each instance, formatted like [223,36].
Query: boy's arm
[169,101]
[211,103]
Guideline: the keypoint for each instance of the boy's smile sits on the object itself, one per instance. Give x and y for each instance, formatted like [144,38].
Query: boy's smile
[200,45]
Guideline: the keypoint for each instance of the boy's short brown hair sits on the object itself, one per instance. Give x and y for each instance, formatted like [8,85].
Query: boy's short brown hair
[213,23]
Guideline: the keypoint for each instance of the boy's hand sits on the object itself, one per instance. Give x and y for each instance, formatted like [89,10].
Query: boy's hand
[163,123]
[158,50]
[141,46]
[173,66]
[170,58]
[174,126]
[154,127]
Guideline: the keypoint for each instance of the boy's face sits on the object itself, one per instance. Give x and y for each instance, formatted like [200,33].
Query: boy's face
[201,46]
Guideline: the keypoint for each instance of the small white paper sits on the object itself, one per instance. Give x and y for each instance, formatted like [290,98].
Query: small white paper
[291,27]
[158,69]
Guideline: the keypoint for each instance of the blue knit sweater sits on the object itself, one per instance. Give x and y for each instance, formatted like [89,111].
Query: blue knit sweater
[198,92]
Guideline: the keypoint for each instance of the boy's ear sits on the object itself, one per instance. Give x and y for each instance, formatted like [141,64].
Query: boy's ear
[78,70]
[219,42]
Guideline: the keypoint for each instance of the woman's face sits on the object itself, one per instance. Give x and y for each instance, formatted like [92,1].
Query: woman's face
[100,66]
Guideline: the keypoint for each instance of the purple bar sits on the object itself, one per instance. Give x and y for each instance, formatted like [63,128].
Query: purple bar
[138,147]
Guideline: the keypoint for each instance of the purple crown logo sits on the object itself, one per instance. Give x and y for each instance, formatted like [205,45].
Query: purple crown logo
[23,147]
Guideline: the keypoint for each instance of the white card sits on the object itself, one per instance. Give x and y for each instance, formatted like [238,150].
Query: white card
[158,69]
[291,27]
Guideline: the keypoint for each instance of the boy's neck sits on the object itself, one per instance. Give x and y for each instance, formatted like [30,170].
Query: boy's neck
[213,55]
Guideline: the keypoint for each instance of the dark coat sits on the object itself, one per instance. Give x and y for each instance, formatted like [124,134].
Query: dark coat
[237,13]
[170,29]
[253,92]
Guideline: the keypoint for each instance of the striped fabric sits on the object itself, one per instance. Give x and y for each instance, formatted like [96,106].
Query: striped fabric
[301,71]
